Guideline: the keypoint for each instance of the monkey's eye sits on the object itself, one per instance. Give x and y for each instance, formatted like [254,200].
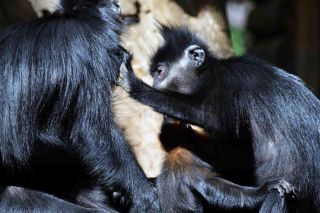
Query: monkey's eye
[159,71]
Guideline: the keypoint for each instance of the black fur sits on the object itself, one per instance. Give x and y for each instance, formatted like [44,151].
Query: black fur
[246,101]
[56,82]
[232,161]
[176,40]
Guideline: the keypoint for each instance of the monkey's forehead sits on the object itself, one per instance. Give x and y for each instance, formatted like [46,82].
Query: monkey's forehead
[175,41]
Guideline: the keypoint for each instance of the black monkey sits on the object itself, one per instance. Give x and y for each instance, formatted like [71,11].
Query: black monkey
[240,100]
[57,74]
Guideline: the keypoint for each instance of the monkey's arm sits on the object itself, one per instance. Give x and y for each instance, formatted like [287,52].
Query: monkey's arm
[184,176]
[172,104]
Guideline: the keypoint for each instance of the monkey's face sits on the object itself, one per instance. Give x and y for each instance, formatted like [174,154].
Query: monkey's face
[183,74]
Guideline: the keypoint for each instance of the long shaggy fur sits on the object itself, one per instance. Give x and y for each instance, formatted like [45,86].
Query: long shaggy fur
[56,81]
[246,102]
[49,67]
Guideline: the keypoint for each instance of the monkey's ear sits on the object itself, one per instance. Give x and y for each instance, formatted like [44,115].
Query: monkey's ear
[197,54]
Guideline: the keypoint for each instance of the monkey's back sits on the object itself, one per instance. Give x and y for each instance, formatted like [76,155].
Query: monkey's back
[283,116]
[44,65]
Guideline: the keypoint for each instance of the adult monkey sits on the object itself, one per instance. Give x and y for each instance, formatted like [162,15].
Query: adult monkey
[57,74]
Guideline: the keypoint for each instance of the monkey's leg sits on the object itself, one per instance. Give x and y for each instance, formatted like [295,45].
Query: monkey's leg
[109,158]
[184,176]
[143,194]
[17,199]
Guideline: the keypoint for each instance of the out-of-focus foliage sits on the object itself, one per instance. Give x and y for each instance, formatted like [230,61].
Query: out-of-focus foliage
[238,38]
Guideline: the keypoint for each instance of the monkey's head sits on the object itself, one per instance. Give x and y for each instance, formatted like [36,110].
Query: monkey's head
[179,64]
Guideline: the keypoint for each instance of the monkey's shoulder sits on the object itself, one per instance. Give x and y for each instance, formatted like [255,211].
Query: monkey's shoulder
[253,73]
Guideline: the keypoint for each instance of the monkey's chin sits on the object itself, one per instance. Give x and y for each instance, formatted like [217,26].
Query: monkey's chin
[185,91]
[181,91]
[173,89]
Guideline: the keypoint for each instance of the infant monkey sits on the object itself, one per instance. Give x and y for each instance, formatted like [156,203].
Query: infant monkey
[240,100]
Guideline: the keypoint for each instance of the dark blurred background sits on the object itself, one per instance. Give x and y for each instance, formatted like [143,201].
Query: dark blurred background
[284,32]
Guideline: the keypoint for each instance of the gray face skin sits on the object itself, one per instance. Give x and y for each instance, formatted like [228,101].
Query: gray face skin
[181,76]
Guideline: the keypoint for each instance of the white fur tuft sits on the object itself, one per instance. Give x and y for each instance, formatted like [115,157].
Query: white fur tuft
[40,5]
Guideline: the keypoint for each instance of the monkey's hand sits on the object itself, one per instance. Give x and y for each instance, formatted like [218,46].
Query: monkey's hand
[123,80]
[127,75]
[181,172]
[283,187]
